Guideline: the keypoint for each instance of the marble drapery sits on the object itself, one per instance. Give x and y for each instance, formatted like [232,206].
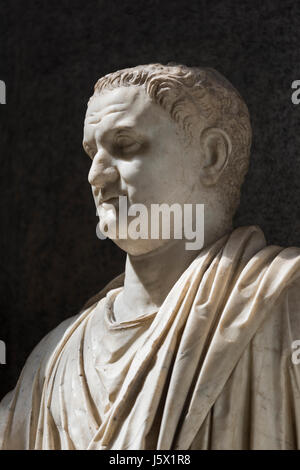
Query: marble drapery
[212,369]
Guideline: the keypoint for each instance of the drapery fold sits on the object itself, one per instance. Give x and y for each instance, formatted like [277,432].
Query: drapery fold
[175,386]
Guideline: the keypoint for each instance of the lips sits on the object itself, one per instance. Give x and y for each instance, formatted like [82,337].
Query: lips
[114,201]
[108,200]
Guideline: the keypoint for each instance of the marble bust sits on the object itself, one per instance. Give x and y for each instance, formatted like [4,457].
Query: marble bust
[188,349]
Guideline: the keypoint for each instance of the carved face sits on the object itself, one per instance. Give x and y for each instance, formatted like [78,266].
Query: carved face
[136,151]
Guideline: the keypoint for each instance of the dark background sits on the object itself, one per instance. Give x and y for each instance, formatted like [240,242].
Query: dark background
[51,54]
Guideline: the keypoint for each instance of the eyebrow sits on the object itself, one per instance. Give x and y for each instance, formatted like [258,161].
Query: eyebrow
[118,128]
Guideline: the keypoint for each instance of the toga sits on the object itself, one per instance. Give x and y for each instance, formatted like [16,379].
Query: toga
[211,369]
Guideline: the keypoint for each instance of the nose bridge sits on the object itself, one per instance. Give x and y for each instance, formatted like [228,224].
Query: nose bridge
[102,169]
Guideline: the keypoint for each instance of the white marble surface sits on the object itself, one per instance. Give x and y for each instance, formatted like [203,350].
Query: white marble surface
[187,349]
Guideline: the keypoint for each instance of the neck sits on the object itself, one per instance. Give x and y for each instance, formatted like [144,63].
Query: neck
[150,277]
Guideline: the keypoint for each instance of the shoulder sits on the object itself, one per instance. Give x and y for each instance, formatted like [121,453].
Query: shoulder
[19,407]
[35,368]
[36,364]
[39,357]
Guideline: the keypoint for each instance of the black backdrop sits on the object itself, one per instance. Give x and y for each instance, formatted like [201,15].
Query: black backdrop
[51,54]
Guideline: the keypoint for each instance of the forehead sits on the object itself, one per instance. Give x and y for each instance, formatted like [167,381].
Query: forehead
[128,106]
[126,96]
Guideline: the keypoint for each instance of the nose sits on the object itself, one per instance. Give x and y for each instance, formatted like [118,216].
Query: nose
[102,171]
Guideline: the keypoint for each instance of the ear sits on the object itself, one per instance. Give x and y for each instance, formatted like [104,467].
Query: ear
[215,146]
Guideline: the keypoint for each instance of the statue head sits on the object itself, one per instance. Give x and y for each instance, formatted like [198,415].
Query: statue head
[168,134]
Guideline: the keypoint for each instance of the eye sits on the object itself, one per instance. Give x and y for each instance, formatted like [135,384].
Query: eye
[126,144]
[124,141]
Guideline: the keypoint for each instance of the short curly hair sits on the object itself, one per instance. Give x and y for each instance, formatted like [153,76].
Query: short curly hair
[195,97]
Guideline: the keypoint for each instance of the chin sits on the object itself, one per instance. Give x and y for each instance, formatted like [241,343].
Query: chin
[139,247]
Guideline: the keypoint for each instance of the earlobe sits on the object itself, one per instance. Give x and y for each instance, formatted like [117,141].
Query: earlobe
[215,146]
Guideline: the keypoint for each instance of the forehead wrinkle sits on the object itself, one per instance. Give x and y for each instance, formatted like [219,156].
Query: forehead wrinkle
[127,114]
[131,98]
[118,118]
[111,109]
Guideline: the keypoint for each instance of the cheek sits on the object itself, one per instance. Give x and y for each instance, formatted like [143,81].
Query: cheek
[130,170]
[155,176]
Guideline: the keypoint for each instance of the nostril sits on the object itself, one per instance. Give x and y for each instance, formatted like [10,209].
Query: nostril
[101,173]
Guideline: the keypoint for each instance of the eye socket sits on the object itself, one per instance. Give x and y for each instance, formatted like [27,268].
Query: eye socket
[125,144]
[123,141]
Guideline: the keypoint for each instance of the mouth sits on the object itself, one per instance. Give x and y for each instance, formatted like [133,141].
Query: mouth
[112,200]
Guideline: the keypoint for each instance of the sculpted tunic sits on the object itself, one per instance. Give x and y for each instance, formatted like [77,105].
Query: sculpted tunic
[212,369]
